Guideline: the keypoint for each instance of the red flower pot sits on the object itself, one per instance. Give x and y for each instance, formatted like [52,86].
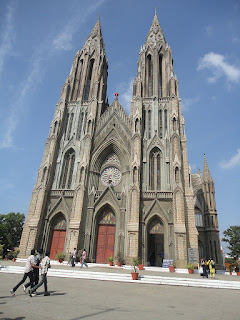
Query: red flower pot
[111,263]
[134,275]
[119,264]
[140,266]
[238,273]
[171,268]
[190,271]
[60,260]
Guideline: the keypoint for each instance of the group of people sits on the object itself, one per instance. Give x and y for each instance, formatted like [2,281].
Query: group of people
[34,263]
[207,265]
[83,258]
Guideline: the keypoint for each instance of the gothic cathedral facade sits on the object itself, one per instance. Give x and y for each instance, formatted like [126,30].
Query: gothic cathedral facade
[111,182]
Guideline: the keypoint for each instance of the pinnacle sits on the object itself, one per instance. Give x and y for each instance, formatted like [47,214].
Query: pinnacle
[206,172]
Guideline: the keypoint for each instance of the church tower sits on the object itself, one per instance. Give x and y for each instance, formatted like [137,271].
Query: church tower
[58,197]
[167,219]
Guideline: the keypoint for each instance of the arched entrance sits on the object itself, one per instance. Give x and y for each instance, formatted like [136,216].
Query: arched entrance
[155,242]
[106,236]
[58,236]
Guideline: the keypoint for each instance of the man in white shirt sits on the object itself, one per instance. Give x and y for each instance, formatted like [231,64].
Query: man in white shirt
[45,265]
[28,272]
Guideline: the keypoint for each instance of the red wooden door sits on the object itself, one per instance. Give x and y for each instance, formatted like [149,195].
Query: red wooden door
[105,243]
[58,240]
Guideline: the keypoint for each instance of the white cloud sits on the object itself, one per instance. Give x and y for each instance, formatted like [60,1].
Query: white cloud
[187,103]
[7,36]
[37,69]
[219,67]
[209,30]
[63,40]
[233,162]
[125,93]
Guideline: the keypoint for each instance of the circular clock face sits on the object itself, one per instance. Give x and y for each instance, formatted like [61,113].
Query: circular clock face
[111,176]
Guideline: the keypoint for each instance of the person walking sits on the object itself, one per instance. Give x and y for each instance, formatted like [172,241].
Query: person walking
[37,259]
[45,265]
[84,257]
[74,256]
[204,267]
[211,264]
[28,272]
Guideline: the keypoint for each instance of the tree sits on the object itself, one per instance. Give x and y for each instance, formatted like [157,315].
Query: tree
[232,236]
[11,226]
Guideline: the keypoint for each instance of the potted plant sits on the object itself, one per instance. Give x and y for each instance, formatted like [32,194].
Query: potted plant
[119,258]
[60,256]
[110,260]
[230,269]
[140,264]
[171,267]
[190,267]
[134,274]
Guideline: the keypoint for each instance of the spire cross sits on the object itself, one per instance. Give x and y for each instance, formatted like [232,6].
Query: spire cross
[116,95]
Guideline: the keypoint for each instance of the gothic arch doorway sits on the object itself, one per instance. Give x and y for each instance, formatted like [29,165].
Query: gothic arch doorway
[58,235]
[105,235]
[155,242]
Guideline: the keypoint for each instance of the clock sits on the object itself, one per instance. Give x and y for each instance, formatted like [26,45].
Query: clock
[111,176]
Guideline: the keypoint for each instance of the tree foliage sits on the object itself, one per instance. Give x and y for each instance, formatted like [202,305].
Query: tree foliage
[232,236]
[11,226]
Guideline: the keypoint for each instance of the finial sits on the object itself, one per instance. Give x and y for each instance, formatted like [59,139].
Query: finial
[116,95]
[155,10]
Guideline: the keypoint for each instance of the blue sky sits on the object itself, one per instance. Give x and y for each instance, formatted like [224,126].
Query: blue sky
[38,40]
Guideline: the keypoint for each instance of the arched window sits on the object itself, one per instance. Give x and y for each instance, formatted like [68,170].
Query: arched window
[67,169]
[89,78]
[80,124]
[149,76]
[160,129]
[137,125]
[174,124]
[155,169]
[165,120]
[160,76]
[70,126]
[149,124]
[66,125]
[177,175]
[198,217]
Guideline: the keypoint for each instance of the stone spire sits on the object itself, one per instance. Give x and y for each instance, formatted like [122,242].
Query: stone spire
[206,171]
[155,35]
[95,39]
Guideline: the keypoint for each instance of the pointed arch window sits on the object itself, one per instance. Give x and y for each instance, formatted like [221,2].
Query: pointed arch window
[149,124]
[160,129]
[165,121]
[160,76]
[149,76]
[67,170]
[70,126]
[80,124]
[155,169]
[66,125]
[89,78]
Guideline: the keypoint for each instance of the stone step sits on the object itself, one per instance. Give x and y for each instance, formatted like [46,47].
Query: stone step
[121,277]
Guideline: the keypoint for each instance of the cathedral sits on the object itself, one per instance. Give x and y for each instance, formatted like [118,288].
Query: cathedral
[111,182]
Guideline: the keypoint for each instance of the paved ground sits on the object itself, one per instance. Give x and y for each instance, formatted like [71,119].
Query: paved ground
[73,299]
